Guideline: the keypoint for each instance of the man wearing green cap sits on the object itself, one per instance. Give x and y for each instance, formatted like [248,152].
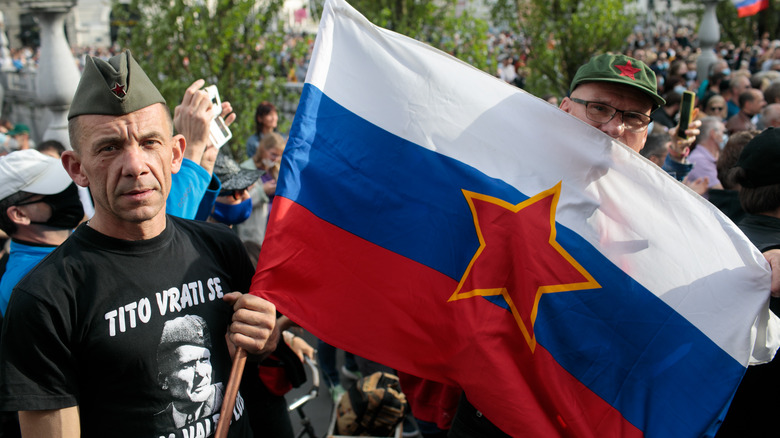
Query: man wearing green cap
[79,347]
[615,94]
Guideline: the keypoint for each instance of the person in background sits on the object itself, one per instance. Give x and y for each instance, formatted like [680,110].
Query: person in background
[716,107]
[750,104]
[20,137]
[39,208]
[52,148]
[727,198]
[709,142]
[665,115]
[194,188]
[266,120]
[753,410]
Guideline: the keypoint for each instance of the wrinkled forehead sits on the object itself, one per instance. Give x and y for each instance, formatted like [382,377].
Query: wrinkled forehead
[89,128]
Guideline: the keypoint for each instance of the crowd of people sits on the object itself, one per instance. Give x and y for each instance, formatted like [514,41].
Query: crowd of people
[172,226]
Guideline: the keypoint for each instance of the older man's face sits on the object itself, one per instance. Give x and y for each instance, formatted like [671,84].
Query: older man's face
[622,97]
[190,379]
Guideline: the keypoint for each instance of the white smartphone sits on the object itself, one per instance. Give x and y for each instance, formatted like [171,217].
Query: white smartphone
[216,103]
[219,132]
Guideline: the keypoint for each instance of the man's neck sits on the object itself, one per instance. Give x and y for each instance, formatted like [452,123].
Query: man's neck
[125,230]
[711,147]
[772,213]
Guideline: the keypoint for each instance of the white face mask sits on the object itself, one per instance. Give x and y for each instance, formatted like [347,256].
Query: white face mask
[268,163]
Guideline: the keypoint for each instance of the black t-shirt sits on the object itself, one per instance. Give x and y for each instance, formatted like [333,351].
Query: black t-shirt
[130,331]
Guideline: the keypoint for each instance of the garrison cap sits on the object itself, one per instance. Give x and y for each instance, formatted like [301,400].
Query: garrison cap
[113,88]
[619,69]
[760,160]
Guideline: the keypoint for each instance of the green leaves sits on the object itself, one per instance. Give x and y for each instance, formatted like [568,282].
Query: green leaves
[237,45]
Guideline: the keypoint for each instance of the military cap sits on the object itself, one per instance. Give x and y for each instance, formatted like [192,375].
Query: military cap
[115,87]
[619,69]
[760,160]
[185,330]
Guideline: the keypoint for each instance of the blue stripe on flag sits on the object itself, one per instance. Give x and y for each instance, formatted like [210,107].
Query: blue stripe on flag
[622,341]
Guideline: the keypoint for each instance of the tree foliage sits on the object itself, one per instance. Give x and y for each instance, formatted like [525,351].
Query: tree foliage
[237,45]
[440,24]
[563,34]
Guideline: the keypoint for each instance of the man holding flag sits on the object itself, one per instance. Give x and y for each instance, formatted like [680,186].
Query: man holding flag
[616,94]
[480,237]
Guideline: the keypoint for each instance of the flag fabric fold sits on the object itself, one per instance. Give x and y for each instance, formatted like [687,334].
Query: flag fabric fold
[434,219]
[746,8]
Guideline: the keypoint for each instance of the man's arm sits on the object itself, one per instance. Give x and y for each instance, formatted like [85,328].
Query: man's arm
[58,423]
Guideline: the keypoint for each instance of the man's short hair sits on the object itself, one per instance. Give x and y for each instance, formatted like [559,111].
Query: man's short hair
[655,146]
[747,96]
[730,154]
[708,124]
[772,92]
[758,171]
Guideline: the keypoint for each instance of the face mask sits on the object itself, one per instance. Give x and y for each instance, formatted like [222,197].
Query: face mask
[726,71]
[268,163]
[680,89]
[66,208]
[232,214]
[723,141]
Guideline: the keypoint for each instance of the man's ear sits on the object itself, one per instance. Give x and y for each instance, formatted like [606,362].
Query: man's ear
[178,144]
[17,215]
[72,165]
[565,105]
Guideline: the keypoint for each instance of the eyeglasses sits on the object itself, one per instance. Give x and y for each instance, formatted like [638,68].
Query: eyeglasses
[603,113]
[716,108]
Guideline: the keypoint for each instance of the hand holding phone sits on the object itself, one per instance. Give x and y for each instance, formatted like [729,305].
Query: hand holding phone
[686,112]
[219,133]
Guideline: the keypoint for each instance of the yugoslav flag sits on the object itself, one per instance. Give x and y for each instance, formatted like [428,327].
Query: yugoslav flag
[437,220]
[746,8]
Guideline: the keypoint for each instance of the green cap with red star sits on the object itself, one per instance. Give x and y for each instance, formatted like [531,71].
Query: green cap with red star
[115,87]
[619,69]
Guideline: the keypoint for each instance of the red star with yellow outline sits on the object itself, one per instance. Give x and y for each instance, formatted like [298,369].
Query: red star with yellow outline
[628,70]
[518,256]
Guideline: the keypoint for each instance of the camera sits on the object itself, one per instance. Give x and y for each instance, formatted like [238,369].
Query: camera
[219,133]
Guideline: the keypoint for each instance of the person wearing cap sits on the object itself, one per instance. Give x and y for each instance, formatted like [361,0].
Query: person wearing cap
[39,206]
[234,205]
[185,371]
[755,404]
[20,137]
[615,94]
[78,355]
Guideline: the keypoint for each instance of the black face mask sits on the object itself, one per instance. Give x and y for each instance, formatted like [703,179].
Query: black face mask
[66,208]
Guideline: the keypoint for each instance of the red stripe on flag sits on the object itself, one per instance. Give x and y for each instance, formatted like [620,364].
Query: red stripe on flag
[752,9]
[362,298]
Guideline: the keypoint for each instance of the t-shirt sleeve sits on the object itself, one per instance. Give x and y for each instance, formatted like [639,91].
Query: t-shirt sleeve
[188,186]
[37,370]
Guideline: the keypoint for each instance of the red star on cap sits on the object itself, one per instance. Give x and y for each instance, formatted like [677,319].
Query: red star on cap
[518,256]
[119,90]
[628,70]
